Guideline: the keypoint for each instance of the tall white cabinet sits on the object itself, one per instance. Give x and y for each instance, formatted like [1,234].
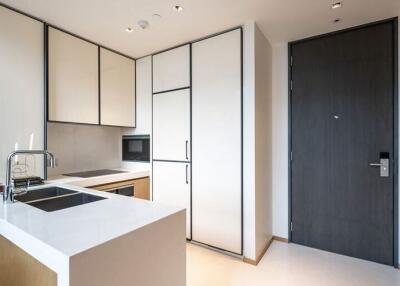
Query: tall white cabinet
[22,86]
[217,141]
[171,130]
[197,137]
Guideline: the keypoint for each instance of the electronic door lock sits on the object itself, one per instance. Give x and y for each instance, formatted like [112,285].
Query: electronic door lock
[383,164]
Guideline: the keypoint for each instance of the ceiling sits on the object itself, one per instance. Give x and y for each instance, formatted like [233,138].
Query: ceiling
[105,21]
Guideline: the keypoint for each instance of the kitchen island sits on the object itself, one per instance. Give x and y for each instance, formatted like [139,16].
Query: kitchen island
[114,241]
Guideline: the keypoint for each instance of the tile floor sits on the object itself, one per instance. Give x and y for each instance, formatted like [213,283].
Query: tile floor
[286,264]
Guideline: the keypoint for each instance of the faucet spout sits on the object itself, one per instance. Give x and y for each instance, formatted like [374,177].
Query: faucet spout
[8,194]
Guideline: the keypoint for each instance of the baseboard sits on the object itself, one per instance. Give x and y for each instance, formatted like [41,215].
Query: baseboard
[281,239]
[255,262]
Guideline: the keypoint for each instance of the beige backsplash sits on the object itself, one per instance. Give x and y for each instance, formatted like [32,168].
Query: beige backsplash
[83,147]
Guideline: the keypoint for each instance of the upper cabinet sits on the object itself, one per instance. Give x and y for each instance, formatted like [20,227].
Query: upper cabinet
[73,94]
[117,89]
[171,69]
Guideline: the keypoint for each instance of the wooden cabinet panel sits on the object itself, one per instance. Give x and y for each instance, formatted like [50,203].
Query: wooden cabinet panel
[73,79]
[18,268]
[171,69]
[141,187]
[117,89]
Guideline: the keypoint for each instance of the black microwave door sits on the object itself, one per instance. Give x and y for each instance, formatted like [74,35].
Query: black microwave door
[136,150]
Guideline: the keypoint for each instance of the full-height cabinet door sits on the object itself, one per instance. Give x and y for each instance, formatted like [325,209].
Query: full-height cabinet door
[21,86]
[171,69]
[73,79]
[171,126]
[171,186]
[217,137]
[117,89]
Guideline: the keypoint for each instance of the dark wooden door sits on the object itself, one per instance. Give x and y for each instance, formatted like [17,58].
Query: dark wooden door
[342,114]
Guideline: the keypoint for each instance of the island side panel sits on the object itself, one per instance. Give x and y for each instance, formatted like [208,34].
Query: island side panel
[18,268]
[152,255]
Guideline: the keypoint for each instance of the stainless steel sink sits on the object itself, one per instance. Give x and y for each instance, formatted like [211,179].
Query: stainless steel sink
[45,193]
[64,202]
[55,198]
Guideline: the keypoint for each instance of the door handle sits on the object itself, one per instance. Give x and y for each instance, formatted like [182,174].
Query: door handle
[187,147]
[383,166]
[187,175]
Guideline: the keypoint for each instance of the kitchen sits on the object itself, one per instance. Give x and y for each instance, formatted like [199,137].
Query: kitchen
[120,156]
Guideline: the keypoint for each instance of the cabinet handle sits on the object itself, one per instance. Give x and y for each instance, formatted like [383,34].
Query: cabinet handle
[187,179]
[187,147]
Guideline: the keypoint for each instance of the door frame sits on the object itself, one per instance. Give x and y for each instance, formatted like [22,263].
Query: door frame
[396,201]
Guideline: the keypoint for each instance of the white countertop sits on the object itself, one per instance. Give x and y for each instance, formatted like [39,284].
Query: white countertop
[53,237]
[100,180]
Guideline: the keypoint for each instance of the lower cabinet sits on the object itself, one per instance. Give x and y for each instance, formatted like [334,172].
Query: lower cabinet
[171,186]
[138,188]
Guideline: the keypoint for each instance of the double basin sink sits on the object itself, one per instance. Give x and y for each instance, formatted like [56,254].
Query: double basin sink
[55,198]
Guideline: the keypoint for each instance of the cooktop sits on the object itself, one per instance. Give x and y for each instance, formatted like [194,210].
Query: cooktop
[95,173]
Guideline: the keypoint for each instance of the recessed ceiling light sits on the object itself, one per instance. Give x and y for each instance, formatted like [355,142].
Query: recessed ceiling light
[336,5]
[143,24]
[129,30]
[337,20]
[178,8]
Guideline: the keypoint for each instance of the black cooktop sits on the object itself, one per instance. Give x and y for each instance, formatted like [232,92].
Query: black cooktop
[94,173]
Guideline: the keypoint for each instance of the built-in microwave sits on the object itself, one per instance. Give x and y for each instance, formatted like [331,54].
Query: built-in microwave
[136,148]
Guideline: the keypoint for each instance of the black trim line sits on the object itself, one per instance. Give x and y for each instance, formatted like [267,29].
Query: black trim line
[99,82]
[172,161]
[172,90]
[46,94]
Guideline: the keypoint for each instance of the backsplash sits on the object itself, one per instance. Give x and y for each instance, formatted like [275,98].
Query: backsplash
[83,147]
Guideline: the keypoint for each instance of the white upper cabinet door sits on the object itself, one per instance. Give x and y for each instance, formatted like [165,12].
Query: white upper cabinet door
[117,89]
[21,88]
[171,69]
[217,137]
[171,125]
[73,79]
[171,187]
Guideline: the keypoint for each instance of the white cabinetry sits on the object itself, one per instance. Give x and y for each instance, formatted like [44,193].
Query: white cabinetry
[117,89]
[73,79]
[171,69]
[217,143]
[22,85]
[171,125]
[171,186]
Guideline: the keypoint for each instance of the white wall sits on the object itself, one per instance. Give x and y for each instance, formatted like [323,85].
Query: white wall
[263,141]
[257,144]
[280,140]
[21,86]
[249,228]
[280,107]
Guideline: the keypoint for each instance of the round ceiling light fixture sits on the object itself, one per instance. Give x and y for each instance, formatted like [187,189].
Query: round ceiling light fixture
[178,8]
[129,30]
[143,24]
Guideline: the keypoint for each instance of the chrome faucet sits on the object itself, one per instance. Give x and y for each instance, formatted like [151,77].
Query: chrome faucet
[8,194]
